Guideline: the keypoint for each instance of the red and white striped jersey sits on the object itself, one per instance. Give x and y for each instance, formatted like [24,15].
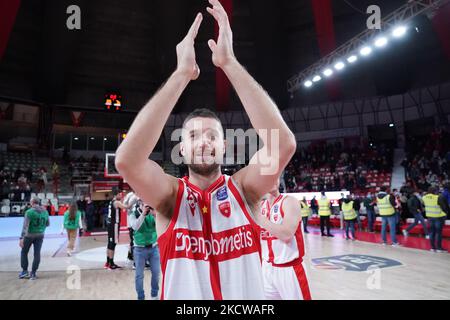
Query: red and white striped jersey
[274,250]
[211,249]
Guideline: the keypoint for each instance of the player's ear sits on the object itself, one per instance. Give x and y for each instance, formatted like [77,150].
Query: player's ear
[182,149]
[224,146]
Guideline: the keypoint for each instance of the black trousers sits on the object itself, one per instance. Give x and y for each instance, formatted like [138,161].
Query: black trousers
[325,221]
[305,223]
[131,251]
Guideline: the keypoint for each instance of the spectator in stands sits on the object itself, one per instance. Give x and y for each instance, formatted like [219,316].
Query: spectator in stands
[415,207]
[436,210]
[17,194]
[35,222]
[22,182]
[446,192]
[55,177]
[325,208]
[386,204]
[72,222]
[369,204]
[29,175]
[42,180]
[27,193]
[4,188]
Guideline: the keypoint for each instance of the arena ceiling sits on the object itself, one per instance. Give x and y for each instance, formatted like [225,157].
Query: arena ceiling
[129,47]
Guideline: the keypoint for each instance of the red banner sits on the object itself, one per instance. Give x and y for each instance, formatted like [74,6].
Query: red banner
[77,117]
[8,13]
[323,17]
[441,23]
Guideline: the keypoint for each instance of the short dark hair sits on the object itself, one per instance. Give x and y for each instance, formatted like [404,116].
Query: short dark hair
[432,189]
[201,113]
[383,189]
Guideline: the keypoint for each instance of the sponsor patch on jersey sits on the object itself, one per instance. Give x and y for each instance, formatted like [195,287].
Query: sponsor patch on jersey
[222,194]
[225,209]
[276,217]
[275,208]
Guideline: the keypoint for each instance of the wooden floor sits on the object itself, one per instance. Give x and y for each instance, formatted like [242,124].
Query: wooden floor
[421,275]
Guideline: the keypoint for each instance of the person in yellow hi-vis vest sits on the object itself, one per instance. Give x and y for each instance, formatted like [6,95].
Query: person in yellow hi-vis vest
[325,213]
[436,210]
[386,205]
[349,209]
[306,212]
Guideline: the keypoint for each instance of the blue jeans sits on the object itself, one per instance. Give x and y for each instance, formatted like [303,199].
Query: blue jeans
[436,225]
[37,245]
[350,224]
[141,255]
[418,217]
[370,219]
[392,220]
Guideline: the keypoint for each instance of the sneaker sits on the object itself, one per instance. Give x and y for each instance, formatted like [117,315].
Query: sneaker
[154,298]
[147,265]
[396,244]
[427,237]
[347,238]
[405,233]
[69,254]
[323,235]
[33,276]
[24,275]
[441,251]
[114,267]
[330,235]
[106,266]
[306,231]
[354,239]
[433,250]
[384,243]
[134,266]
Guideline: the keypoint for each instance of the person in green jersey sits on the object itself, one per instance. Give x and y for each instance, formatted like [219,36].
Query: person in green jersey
[35,221]
[142,221]
[72,222]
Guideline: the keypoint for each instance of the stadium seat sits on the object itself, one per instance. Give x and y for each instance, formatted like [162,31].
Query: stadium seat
[41,196]
[15,209]
[6,210]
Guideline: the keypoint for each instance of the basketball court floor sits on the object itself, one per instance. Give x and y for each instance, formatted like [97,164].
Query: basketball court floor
[337,269]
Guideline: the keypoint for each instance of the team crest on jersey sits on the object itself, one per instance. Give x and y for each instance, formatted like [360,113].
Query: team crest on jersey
[275,209]
[222,194]
[225,209]
[191,200]
[276,217]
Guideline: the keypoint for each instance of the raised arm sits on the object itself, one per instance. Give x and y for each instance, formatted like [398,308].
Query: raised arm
[286,230]
[267,164]
[145,176]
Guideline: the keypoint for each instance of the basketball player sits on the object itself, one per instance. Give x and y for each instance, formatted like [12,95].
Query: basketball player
[208,239]
[282,248]
[113,227]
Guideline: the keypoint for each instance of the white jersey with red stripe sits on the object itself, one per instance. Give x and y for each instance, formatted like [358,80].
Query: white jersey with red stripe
[284,273]
[211,249]
[274,250]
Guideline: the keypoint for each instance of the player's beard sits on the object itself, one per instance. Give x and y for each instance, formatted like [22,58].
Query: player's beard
[205,170]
